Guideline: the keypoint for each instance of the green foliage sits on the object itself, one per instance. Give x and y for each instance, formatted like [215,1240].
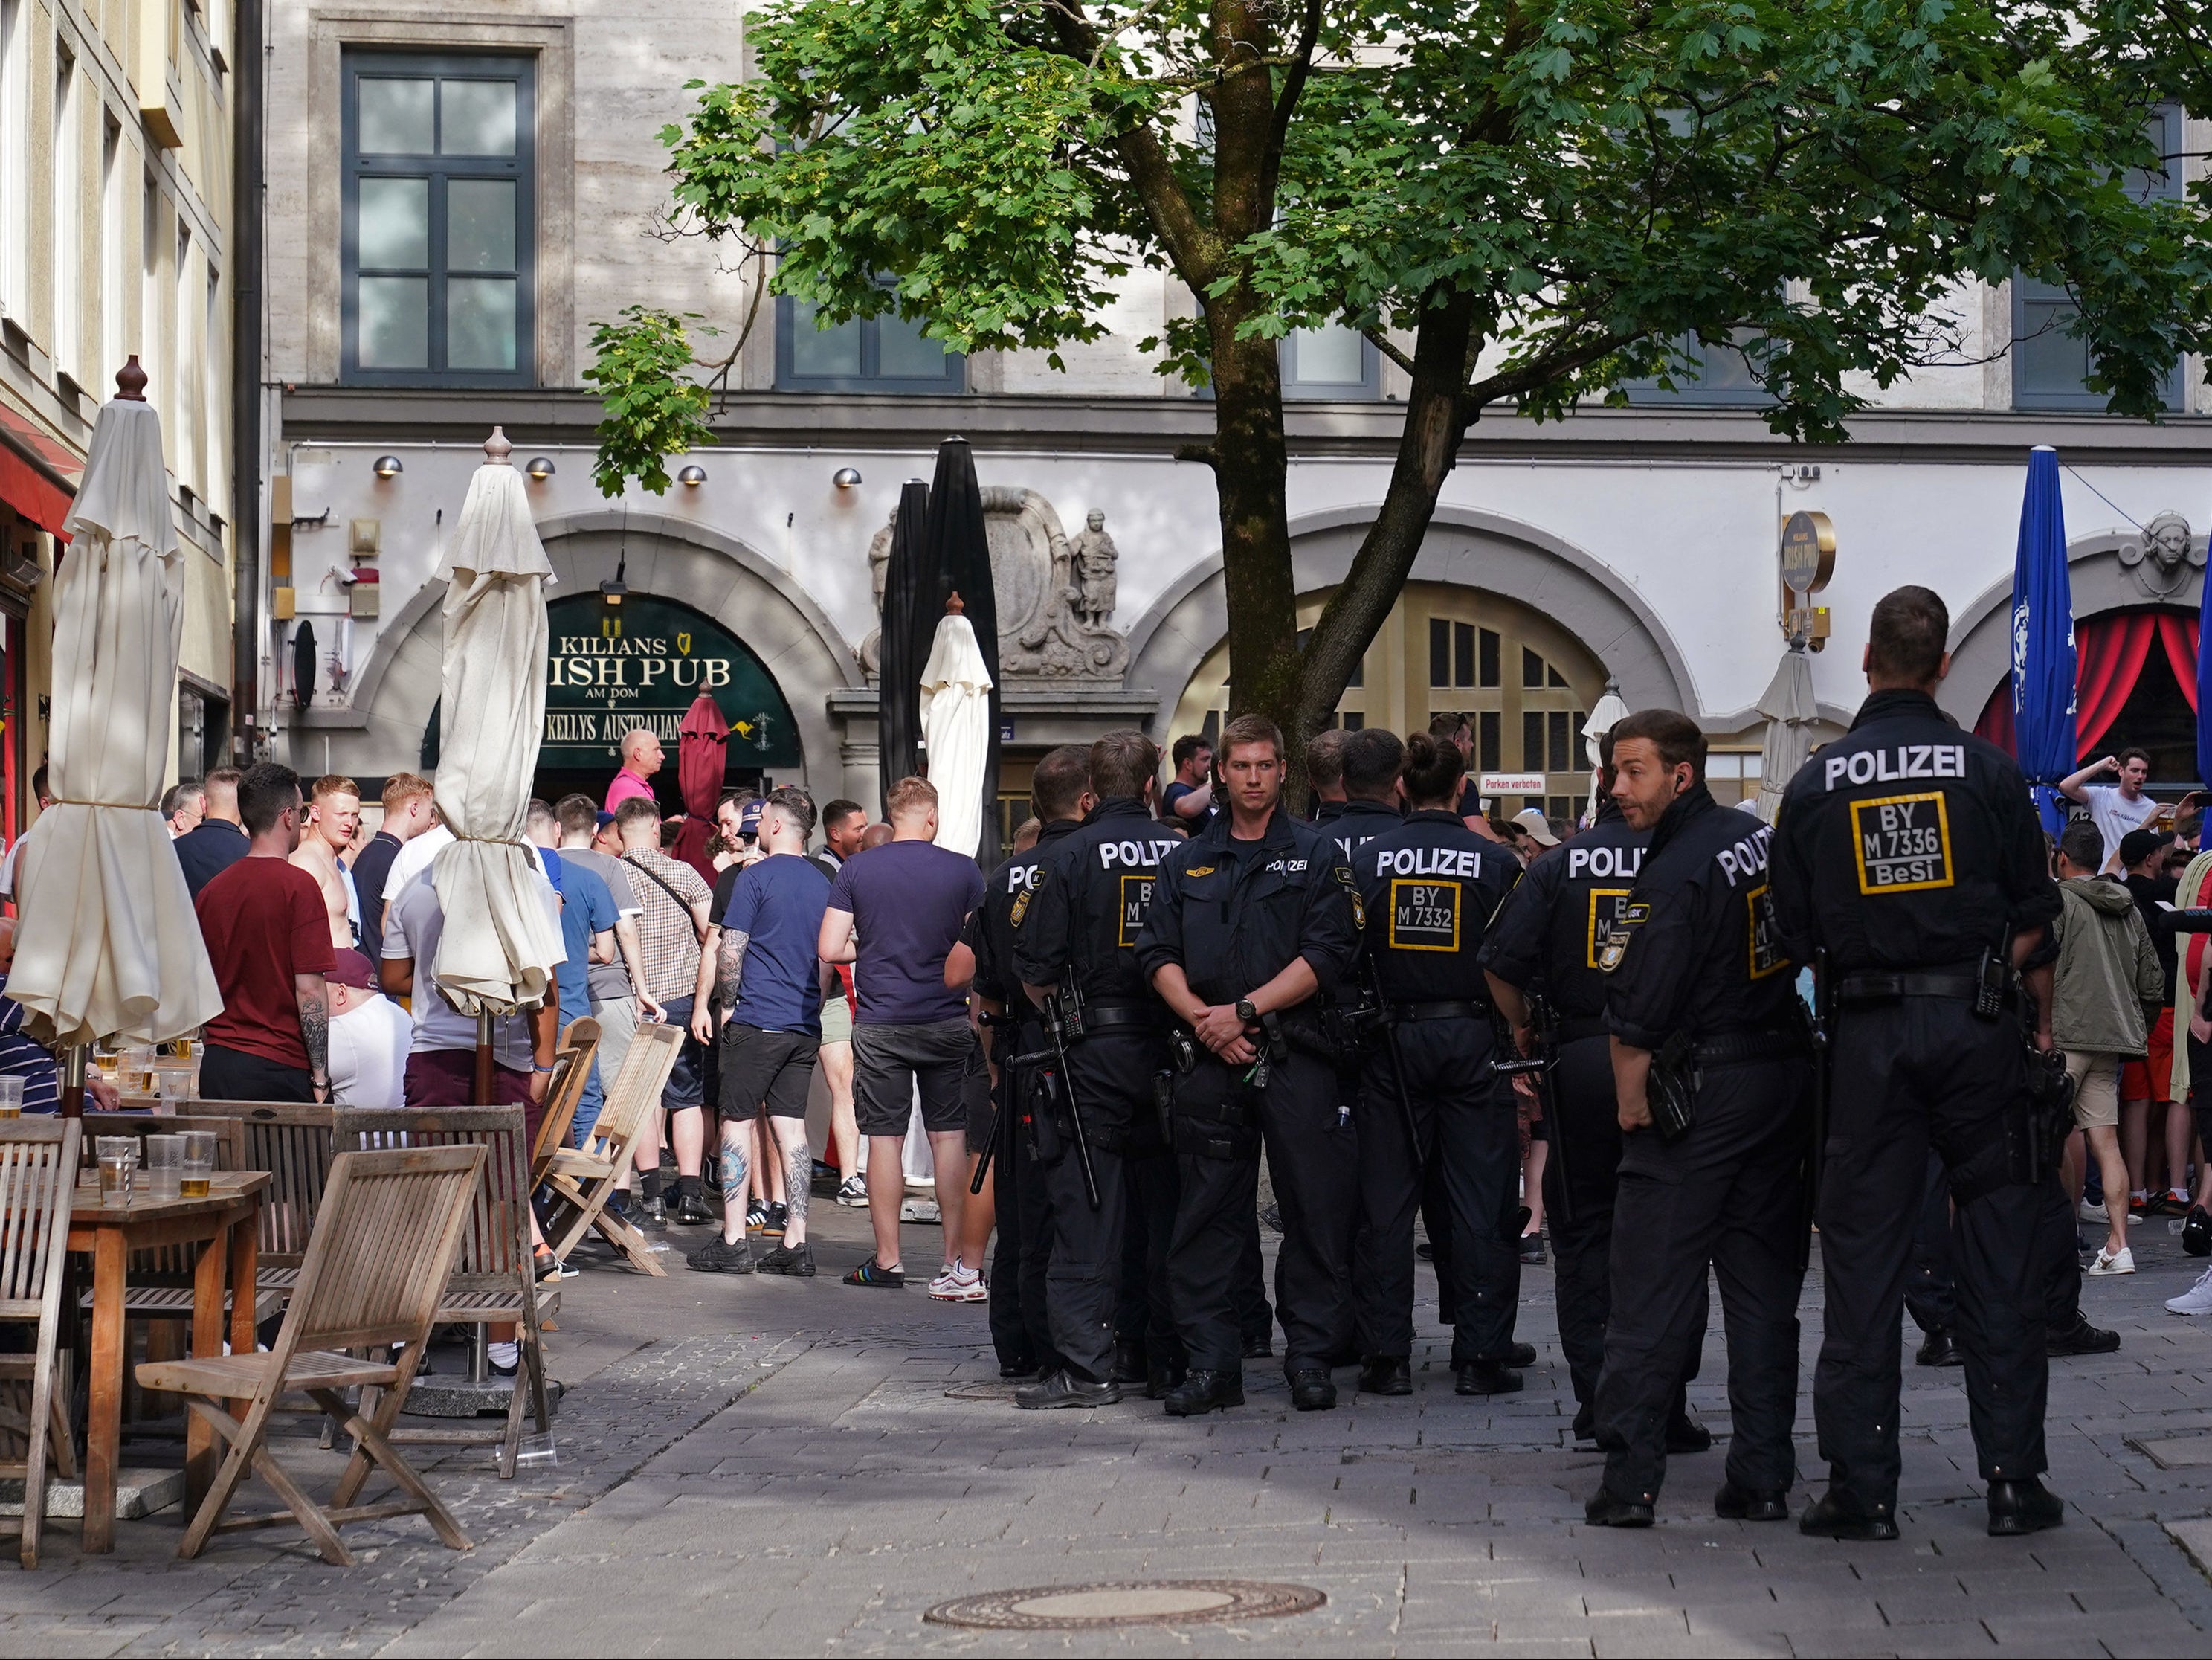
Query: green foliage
[651,410]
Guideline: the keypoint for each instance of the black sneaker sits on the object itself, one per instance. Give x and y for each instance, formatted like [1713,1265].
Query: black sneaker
[1829,1517]
[651,1213]
[1605,1509]
[2020,1507]
[773,1225]
[873,1273]
[2197,1233]
[798,1260]
[691,1211]
[717,1257]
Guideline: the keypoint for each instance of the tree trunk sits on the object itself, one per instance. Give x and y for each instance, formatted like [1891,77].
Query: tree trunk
[1427,446]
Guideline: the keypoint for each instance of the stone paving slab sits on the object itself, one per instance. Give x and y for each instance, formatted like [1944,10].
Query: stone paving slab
[731,1483]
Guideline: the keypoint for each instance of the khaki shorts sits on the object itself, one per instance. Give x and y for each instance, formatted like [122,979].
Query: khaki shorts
[2096,1079]
[836,1021]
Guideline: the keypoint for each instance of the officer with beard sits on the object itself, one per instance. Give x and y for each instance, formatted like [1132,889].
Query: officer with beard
[1251,922]
[1544,942]
[1077,929]
[1710,1069]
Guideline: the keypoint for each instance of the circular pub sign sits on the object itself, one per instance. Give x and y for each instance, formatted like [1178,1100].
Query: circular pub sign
[1808,552]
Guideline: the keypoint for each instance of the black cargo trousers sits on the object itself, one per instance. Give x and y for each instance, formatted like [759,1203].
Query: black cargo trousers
[1728,1193]
[1220,1121]
[1909,1075]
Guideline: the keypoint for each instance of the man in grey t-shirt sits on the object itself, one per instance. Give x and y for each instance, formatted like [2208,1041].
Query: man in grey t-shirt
[618,992]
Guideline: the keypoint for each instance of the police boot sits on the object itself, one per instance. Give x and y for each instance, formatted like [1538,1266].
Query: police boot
[2082,1338]
[1312,1389]
[1205,1391]
[1486,1377]
[1520,1356]
[1258,1347]
[1831,1517]
[1606,1509]
[1386,1374]
[1939,1350]
[1064,1389]
[1163,1378]
[1129,1365]
[1736,1503]
[1685,1434]
[2018,1507]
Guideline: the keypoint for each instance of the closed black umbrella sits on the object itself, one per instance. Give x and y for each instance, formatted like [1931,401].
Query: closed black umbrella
[959,551]
[912,603]
[303,664]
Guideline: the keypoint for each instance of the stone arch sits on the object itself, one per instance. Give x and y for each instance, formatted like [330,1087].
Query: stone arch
[1464,546]
[714,574]
[1981,642]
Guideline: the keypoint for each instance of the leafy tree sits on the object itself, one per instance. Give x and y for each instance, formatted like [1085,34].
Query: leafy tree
[1523,204]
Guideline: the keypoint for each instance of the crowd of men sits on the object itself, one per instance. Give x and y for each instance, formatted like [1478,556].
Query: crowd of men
[1670,1038]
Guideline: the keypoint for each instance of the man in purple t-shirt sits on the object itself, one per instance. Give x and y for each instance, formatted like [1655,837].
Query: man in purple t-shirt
[894,913]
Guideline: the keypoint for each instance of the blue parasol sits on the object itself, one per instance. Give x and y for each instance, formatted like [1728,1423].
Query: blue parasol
[2043,660]
[2203,685]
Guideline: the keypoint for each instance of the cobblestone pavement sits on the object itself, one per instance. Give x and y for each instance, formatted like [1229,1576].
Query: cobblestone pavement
[760,1480]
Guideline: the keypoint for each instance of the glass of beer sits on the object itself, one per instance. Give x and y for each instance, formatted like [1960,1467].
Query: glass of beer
[165,1166]
[119,1157]
[136,1074]
[198,1166]
[11,1096]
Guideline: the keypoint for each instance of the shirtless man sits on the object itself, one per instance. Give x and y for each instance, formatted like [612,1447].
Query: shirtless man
[333,817]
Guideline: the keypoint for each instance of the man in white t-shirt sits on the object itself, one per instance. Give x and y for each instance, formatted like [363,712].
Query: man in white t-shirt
[2114,809]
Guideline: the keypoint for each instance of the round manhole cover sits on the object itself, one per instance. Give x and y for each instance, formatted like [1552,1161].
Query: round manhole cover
[1127,1602]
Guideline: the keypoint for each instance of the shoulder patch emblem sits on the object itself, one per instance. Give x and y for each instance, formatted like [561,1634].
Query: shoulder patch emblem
[1021,907]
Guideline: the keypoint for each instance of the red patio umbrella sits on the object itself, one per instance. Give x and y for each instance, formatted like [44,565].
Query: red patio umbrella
[702,756]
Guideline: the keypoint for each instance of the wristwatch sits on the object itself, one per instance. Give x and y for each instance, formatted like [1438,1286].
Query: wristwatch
[1245,1011]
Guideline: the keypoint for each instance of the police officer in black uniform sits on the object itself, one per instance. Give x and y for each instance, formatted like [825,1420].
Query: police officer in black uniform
[1711,1068]
[1909,852]
[1250,922]
[1021,1329]
[1545,941]
[1078,930]
[1429,887]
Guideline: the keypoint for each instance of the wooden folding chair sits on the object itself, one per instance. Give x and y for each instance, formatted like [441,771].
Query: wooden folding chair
[582,1180]
[383,1248]
[493,1282]
[572,1074]
[292,1141]
[38,1174]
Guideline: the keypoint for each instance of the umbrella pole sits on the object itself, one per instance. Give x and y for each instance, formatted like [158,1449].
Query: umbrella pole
[73,1081]
[482,1097]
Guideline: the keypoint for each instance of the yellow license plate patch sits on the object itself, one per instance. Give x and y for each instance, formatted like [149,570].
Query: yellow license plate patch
[1902,842]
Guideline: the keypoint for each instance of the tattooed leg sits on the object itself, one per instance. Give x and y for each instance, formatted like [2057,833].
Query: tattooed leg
[798,1176]
[733,1172]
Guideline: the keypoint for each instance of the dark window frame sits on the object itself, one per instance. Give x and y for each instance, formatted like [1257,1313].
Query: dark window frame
[520,169]
[1690,386]
[2037,307]
[953,380]
[1367,389]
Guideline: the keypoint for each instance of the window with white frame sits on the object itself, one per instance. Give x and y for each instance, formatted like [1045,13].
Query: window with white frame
[68,222]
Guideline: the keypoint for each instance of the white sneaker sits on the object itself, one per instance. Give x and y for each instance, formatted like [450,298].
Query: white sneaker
[2092,1210]
[2197,1299]
[2109,1262]
[959,1285]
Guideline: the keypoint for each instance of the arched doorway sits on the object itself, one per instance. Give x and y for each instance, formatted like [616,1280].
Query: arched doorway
[2134,688]
[611,669]
[1525,684]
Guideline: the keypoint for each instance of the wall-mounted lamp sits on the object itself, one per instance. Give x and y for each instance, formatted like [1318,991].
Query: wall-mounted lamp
[613,590]
[387,466]
[540,468]
[692,476]
[847,478]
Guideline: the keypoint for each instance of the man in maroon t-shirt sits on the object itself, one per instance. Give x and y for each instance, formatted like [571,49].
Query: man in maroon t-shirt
[269,936]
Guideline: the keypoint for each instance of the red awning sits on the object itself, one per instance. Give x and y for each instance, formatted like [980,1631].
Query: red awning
[31,493]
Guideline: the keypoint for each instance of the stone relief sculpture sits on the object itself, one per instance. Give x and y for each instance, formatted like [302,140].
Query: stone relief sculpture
[2162,557]
[1056,597]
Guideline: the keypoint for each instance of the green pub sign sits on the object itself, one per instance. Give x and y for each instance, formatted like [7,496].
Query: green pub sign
[611,669]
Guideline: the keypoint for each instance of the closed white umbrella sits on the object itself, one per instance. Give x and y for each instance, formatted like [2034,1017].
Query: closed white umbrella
[1609,710]
[1791,708]
[956,728]
[499,946]
[106,942]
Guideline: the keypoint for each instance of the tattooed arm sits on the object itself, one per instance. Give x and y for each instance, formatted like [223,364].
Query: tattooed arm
[313,996]
[730,967]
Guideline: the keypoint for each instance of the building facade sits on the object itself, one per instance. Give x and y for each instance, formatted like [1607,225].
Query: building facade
[116,240]
[470,193]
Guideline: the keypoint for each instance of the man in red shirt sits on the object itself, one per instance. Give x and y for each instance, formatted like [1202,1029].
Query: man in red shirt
[269,937]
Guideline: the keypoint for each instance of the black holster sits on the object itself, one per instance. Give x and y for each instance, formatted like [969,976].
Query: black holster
[1670,1088]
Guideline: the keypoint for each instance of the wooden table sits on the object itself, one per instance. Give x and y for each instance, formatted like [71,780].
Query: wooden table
[224,1225]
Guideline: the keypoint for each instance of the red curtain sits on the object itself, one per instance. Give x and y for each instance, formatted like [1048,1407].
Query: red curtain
[2178,635]
[2109,652]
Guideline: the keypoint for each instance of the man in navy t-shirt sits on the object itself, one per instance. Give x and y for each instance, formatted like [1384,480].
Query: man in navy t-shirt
[767,982]
[894,913]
